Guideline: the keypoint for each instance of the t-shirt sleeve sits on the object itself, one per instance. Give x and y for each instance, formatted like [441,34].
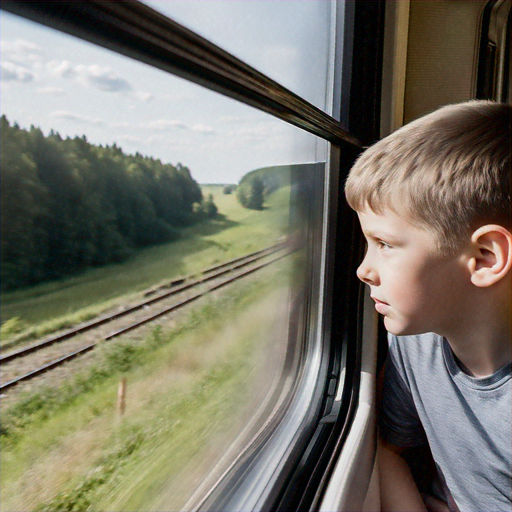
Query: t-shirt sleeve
[399,421]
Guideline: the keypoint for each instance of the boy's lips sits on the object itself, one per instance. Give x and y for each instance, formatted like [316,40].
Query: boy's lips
[380,306]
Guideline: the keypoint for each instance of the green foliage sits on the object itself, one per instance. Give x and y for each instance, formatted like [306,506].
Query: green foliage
[256,185]
[11,327]
[273,178]
[252,193]
[68,205]
[79,498]
[206,208]
[229,189]
[123,355]
[236,231]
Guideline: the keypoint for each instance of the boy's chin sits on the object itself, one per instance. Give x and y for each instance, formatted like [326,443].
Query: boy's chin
[401,329]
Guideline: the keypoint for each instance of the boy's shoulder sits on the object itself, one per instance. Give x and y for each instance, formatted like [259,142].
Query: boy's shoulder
[416,350]
[427,397]
[426,362]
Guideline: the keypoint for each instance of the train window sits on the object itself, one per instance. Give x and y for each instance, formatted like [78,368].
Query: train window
[182,236]
[261,34]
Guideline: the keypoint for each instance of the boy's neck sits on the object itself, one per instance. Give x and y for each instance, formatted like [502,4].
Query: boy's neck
[483,361]
[483,345]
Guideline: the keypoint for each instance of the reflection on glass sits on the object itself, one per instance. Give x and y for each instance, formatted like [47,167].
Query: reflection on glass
[94,220]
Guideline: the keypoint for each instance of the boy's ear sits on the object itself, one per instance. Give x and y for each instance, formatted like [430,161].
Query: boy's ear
[491,255]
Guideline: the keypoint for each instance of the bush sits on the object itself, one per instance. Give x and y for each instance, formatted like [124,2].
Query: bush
[206,208]
[11,327]
[251,193]
[229,189]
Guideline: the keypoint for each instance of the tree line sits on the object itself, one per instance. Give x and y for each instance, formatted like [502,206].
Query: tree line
[68,205]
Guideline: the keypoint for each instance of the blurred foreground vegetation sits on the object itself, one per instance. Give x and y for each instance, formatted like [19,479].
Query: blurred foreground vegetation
[192,386]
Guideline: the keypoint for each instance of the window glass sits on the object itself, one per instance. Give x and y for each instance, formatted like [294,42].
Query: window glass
[119,180]
[286,40]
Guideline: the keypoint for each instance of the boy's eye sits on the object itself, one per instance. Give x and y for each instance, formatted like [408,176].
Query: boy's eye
[383,245]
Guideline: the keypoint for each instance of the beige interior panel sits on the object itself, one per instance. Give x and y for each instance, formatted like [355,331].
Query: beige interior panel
[441,54]
[394,65]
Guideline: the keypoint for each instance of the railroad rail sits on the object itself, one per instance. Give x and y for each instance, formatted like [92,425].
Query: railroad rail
[177,286]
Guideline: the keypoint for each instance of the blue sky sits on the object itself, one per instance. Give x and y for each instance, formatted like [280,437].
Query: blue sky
[53,80]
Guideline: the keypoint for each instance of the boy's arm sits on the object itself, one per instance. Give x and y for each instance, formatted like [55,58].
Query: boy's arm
[398,491]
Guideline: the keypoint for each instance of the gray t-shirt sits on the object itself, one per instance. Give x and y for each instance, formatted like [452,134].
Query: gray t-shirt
[467,421]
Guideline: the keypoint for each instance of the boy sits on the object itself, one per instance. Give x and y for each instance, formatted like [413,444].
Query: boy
[433,200]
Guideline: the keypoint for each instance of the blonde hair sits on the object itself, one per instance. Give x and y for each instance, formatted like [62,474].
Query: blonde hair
[448,171]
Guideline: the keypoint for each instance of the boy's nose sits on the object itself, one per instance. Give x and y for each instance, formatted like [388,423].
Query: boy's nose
[367,274]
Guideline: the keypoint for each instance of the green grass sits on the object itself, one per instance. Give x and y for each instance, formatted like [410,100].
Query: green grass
[61,304]
[188,394]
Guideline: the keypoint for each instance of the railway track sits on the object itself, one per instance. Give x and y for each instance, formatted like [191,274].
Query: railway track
[190,288]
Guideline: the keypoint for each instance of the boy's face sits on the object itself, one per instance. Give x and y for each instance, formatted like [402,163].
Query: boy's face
[416,288]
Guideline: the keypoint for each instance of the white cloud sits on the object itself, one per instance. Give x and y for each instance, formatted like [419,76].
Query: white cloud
[21,51]
[63,69]
[143,96]
[102,78]
[168,141]
[78,118]
[168,125]
[261,129]
[204,129]
[99,77]
[131,139]
[156,139]
[51,91]
[165,125]
[13,72]
[123,124]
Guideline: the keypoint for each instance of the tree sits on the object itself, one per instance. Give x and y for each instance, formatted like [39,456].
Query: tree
[68,205]
[210,208]
[24,202]
[228,189]
[256,194]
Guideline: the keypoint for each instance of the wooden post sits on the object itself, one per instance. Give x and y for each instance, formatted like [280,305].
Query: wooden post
[121,396]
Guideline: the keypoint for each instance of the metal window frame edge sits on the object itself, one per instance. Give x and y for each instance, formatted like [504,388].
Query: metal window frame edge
[347,489]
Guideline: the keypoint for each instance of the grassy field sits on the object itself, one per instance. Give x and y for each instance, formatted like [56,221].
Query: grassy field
[191,388]
[48,307]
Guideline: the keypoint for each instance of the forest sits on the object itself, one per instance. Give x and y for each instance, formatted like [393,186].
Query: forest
[68,205]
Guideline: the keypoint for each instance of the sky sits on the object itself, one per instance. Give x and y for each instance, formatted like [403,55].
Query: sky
[55,81]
